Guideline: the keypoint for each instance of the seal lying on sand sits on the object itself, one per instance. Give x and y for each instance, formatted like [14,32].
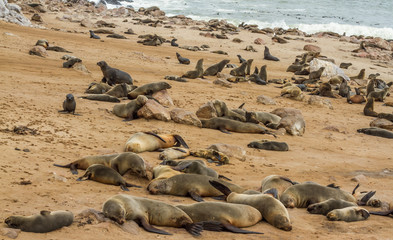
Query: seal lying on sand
[280,183]
[182,60]
[44,222]
[269,145]
[374,131]
[113,75]
[174,153]
[198,168]
[148,141]
[216,68]
[348,214]
[225,125]
[326,206]
[86,162]
[268,56]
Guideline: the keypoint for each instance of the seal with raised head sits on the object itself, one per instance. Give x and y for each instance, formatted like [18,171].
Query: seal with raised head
[248,67]
[92,35]
[129,110]
[379,95]
[225,125]
[269,145]
[69,104]
[173,43]
[44,222]
[344,89]
[194,185]
[280,183]
[147,212]
[149,89]
[197,73]
[369,108]
[230,216]
[129,162]
[272,210]
[326,206]
[360,75]
[241,60]
[375,131]
[370,86]
[216,68]
[148,141]
[239,71]
[182,60]
[348,214]
[113,75]
[263,73]
[106,175]
[316,74]
[268,56]
[302,195]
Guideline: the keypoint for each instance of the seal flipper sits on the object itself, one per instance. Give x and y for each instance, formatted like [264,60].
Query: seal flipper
[365,198]
[354,190]
[223,177]
[222,197]
[194,229]
[73,167]
[220,187]
[241,106]
[45,213]
[142,222]
[222,129]
[287,179]
[124,188]
[180,150]
[180,141]
[195,196]
[85,177]
[155,135]
[385,213]
[272,191]
[333,185]
[234,229]
[132,185]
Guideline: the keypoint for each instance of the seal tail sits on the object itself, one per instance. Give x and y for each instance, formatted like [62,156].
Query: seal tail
[194,229]
[155,135]
[272,191]
[220,187]
[384,213]
[365,198]
[180,141]
[354,190]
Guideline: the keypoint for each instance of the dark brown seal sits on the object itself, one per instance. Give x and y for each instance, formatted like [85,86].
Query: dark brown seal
[269,145]
[268,56]
[369,108]
[69,104]
[225,125]
[239,71]
[374,131]
[216,68]
[113,75]
[182,60]
[148,141]
[326,206]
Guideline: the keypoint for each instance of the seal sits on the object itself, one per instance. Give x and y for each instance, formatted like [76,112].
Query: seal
[269,145]
[344,89]
[232,217]
[271,209]
[216,68]
[268,56]
[174,153]
[97,88]
[239,71]
[181,162]
[194,185]
[270,120]
[197,73]
[148,89]
[326,206]
[369,108]
[241,60]
[120,90]
[92,35]
[248,67]
[316,74]
[129,110]
[44,222]
[147,212]
[101,97]
[182,60]
[223,111]
[173,43]
[370,86]
[379,95]
[225,125]
[69,104]
[163,172]
[367,199]
[198,168]
[348,214]
[302,195]
[148,141]
[86,162]
[129,162]
[106,175]
[280,183]
[374,131]
[113,75]
[360,75]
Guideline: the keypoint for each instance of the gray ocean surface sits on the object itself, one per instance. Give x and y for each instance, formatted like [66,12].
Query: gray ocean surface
[360,17]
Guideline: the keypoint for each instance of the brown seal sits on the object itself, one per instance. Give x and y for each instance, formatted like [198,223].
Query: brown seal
[212,154]
[248,67]
[316,74]
[216,68]
[272,210]
[263,73]
[268,119]
[173,163]
[348,214]
[147,212]
[239,71]
[120,90]
[302,195]
[174,153]
[129,162]
[344,89]
[113,75]
[370,86]
[148,89]
[148,141]
[357,98]
[44,222]
[86,162]
[106,175]
[280,183]
[129,110]
[194,185]
[97,88]
[232,217]
[379,95]
[225,125]
[182,60]
[326,206]
[101,97]
[369,108]
[197,73]
[268,56]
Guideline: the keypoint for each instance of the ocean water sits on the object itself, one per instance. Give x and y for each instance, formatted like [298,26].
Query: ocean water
[353,17]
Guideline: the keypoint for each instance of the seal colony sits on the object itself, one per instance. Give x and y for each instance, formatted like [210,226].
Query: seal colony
[100,132]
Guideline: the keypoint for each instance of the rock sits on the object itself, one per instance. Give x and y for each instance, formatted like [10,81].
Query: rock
[10,232]
[39,51]
[130,31]
[12,13]
[223,75]
[237,40]
[182,116]
[153,110]
[311,48]
[259,41]
[163,98]
[37,18]
[86,23]
[266,100]
[230,150]
[222,82]
[207,110]
[360,178]
[80,67]
[320,101]
[292,120]
[382,123]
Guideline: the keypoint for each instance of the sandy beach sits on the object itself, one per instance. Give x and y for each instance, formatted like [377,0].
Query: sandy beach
[33,88]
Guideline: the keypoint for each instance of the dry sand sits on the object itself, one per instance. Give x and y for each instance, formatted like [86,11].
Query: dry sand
[32,89]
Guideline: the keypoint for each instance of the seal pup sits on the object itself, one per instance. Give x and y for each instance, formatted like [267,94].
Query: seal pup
[197,73]
[92,35]
[232,217]
[369,108]
[326,206]
[148,141]
[357,98]
[348,214]
[113,75]
[345,65]
[269,145]
[302,195]
[225,125]
[248,67]
[129,110]
[239,71]
[216,68]
[106,175]
[173,43]
[101,97]
[280,183]
[241,60]
[129,162]
[44,222]
[271,209]
[182,60]
[268,56]
[174,153]
[374,131]
[86,162]
[149,89]
[147,212]
[194,185]
[370,86]
[69,104]
[212,156]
